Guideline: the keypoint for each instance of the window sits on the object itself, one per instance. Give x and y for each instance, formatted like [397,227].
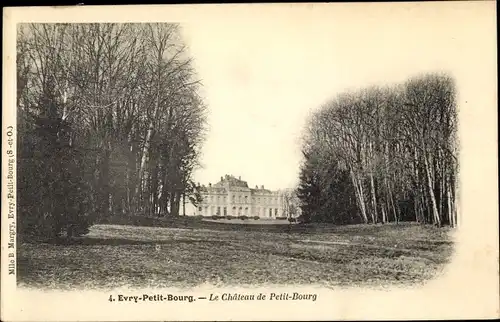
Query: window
[218,211]
[246,199]
[276,212]
[199,208]
[234,198]
[225,211]
[270,212]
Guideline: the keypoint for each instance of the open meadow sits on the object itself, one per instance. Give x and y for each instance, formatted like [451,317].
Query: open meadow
[189,252]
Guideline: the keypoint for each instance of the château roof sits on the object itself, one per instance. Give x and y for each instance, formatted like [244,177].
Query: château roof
[231,181]
[258,190]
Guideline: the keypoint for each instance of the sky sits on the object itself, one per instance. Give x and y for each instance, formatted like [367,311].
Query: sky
[264,71]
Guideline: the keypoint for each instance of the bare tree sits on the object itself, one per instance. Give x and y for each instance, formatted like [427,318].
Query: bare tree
[129,94]
[398,144]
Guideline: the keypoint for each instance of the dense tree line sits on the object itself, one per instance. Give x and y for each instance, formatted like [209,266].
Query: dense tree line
[383,154]
[109,122]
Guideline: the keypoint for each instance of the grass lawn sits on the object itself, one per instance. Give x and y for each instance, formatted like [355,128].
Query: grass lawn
[249,221]
[193,252]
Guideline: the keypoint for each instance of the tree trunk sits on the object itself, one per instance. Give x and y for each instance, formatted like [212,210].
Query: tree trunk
[362,199]
[455,207]
[442,187]
[145,152]
[391,203]
[154,117]
[131,165]
[374,200]
[415,209]
[183,203]
[359,197]
[450,211]
[422,207]
[172,203]
[154,190]
[175,203]
[384,219]
[165,194]
[437,219]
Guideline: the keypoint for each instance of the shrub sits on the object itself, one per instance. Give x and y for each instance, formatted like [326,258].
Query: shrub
[304,219]
[281,218]
[256,217]
[243,217]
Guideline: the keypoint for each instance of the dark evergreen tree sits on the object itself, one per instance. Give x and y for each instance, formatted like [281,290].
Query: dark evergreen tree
[52,191]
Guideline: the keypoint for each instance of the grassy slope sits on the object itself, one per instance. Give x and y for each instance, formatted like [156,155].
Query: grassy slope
[118,255]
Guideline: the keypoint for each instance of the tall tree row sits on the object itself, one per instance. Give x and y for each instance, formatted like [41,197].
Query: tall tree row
[384,154]
[112,109]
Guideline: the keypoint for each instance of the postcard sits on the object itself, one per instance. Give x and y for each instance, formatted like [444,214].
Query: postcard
[250,162]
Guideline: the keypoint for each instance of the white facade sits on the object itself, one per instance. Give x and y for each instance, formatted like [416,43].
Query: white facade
[232,197]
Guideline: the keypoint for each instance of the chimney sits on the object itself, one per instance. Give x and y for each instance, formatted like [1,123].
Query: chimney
[239,177]
[209,185]
[262,187]
[198,184]
[221,179]
[256,187]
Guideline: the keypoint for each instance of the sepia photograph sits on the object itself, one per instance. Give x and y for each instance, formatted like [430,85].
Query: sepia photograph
[238,154]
